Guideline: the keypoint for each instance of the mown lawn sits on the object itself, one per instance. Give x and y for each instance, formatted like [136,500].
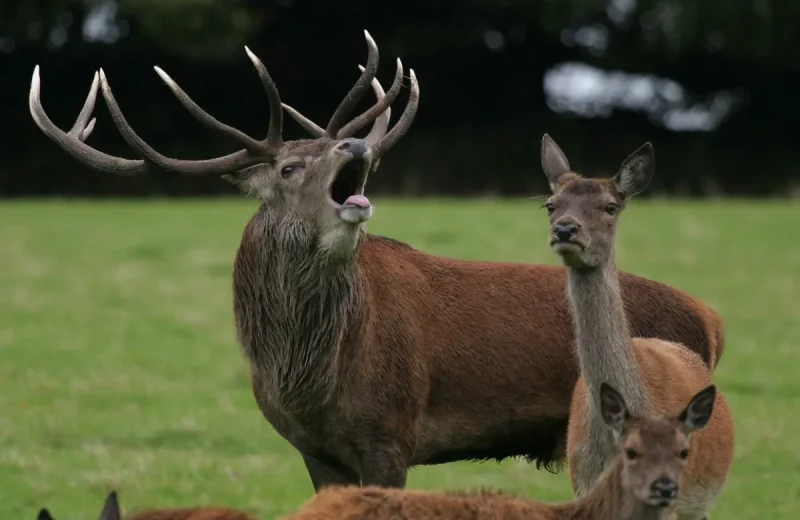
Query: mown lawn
[120,369]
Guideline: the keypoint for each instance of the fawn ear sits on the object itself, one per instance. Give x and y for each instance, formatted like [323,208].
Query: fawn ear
[698,412]
[554,162]
[636,171]
[44,514]
[613,409]
[111,508]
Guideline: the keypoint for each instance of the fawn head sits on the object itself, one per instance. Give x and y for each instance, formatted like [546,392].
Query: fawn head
[654,450]
[312,184]
[583,212]
[110,510]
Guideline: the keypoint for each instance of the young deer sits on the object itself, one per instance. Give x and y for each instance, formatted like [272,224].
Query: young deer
[640,484]
[111,511]
[652,374]
[367,355]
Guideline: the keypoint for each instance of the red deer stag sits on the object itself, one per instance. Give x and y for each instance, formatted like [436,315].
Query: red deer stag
[653,375]
[111,511]
[367,355]
[640,484]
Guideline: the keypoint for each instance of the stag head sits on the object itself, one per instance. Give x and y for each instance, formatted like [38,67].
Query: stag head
[317,182]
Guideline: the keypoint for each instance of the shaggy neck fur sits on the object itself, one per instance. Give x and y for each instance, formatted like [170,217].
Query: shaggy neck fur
[608,499]
[294,302]
[605,353]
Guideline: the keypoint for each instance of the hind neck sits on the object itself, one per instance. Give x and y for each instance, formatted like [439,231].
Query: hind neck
[603,343]
[294,302]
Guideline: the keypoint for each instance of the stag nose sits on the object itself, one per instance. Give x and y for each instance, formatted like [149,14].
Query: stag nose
[355,147]
[665,487]
[564,232]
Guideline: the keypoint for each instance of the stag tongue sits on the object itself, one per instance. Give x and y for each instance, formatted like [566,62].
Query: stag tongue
[358,201]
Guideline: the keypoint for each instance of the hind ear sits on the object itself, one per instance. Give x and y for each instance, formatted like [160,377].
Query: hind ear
[44,514]
[554,162]
[698,412]
[111,508]
[636,171]
[613,409]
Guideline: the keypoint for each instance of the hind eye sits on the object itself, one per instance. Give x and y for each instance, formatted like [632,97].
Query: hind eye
[611,209]
[631,454]
[684,454]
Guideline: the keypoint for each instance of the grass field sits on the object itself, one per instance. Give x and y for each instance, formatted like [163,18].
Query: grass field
[120,369]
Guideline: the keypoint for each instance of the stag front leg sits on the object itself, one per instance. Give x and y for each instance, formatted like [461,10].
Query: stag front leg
[323,474]
[383,466]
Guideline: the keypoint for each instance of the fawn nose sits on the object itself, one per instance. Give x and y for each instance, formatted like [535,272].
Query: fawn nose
[665,487]
[356,147]
[564,232]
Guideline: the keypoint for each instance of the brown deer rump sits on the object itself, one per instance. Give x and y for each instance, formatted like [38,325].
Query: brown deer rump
[495,335]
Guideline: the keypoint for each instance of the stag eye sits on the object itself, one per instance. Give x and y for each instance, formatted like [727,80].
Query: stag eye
[289,169]
[611,209]
[631,454]
[684,454]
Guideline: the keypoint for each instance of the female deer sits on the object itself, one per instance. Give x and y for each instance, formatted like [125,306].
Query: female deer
[640,484]
[654,376]
[111,511]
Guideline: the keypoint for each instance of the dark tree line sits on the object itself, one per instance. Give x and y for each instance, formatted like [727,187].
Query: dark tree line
[488,73]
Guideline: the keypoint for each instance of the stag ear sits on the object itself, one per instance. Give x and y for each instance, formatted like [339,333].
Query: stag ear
[636,172]
[111,508]
[554,162]
[44,514]
[613,409]
[247,182]
[698,412]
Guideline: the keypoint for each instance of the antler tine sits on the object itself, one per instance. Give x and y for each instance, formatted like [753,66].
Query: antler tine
[72,142]
[226,164]
[83,127]
[352,98]
[207,119]
[379,107]
[274,139]
[381,124]
[404,123]
[310,126]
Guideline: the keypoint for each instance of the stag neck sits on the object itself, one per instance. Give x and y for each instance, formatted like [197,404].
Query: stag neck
[295,309]
[603,343]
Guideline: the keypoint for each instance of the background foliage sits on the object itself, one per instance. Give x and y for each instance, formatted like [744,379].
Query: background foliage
[712,84]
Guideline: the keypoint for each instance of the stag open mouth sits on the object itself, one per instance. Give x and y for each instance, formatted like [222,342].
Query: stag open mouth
[347,188]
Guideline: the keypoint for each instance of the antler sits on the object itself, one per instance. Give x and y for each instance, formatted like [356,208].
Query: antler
[381,124]
[380,112]
[352,98]
[378,139]
[403,124]
[73,142]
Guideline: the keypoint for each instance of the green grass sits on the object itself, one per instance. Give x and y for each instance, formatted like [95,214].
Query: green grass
[120,369]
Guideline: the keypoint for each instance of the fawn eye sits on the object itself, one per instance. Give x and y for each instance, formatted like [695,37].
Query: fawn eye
[631,454]
[550,208]
[684,454]
[610,209]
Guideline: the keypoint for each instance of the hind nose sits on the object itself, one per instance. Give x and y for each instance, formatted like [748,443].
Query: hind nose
[665,488]
[564,232]
[355,147]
